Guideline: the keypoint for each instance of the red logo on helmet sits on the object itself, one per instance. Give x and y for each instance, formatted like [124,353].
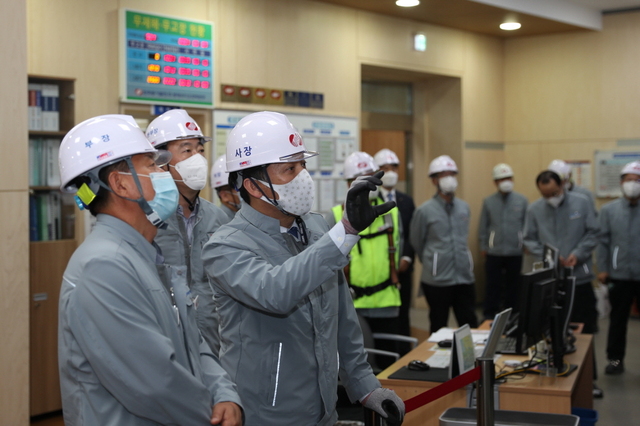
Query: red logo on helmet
[362,165]
[191,126]
[295,139]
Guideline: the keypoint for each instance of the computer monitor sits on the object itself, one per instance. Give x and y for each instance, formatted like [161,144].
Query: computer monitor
[536,298]
[551,258]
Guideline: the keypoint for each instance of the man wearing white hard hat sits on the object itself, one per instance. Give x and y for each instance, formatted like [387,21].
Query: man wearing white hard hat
[129,349]
[372,272]
[618,260]
[287,323]
[389,162]
[228,196]
[195,219]
[563,169]
[439,235]
[500,233]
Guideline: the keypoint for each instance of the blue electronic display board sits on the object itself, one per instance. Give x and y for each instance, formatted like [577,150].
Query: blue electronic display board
[166,60]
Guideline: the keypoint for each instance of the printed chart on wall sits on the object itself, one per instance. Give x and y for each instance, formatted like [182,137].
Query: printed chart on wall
[608,167]
[581,172]
[165,59]
[333,137]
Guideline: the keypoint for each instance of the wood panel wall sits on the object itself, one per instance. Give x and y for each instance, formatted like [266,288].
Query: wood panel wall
[14,212]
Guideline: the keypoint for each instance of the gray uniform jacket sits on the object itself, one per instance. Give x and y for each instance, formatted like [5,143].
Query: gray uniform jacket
[178,252]
[572,228]
[125,356]
[502,224]
[230,214]
[285,319]
[439,235]
[584,191]
[619,250]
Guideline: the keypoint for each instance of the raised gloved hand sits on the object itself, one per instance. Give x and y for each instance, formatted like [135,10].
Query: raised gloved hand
[358,211]
[386,403]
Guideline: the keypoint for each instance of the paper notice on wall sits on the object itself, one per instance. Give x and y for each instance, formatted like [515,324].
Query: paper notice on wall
[608,165]
[581,172]
[327,195]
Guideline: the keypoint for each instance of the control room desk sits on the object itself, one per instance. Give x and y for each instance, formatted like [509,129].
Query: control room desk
[531,393]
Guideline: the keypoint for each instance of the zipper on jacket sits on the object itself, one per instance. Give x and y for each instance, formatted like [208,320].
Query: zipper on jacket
[586,268]
[491,236]
[615,257]
[275,391]
[434,268]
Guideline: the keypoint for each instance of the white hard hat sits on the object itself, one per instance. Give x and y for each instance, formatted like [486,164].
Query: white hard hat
[173,125]
[561,168]
[357,164]
[632,167]
[444,163]
[386,156]
[502,171]
[264,138]
[98,142]
[219,175]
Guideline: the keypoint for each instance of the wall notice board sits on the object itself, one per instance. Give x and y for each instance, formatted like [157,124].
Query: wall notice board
[333,137]
[608,166]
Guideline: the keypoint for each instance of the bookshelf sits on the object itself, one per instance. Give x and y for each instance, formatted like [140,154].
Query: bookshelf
[53,232]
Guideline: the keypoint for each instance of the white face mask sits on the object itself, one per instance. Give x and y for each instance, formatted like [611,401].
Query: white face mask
[194,171]
[506,186]
[448,184]
[390,179]
[567,186]
[297,196]
[555,201]
[631,189]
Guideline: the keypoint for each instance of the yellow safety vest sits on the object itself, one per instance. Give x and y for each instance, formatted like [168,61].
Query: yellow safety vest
[369,265]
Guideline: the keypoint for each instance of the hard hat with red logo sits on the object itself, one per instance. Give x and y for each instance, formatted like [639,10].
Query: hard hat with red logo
[561,168]
[444,163]
[502,171]
[96,143]
[219,175]
[264,138]
[386,156]
[632,167]
[358,164]
[173,125]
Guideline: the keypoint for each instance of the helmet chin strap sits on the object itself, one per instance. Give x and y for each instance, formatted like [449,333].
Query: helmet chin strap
[272,201]
[298,220]
[144,205]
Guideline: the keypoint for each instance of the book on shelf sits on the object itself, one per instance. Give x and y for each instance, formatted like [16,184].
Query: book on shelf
[35,106]
[50,107]
[43,162]
[45,216]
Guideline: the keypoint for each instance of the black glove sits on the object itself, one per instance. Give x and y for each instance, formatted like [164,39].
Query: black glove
[358,209]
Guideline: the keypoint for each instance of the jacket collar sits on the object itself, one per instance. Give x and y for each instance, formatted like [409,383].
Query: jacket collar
[266,224]
[129,234]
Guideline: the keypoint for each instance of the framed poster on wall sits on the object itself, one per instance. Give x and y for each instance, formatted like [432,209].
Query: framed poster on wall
[608,166]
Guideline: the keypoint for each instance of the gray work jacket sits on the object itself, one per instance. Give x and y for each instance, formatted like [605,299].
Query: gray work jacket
[439,235]
[230,214]
[177,251]
[502,224]
[287,321]
[125,356]
[572,228]
[584,191]
[619,250]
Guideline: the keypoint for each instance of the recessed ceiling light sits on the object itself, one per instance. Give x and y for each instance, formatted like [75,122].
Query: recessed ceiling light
[407,3]
[510,26]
